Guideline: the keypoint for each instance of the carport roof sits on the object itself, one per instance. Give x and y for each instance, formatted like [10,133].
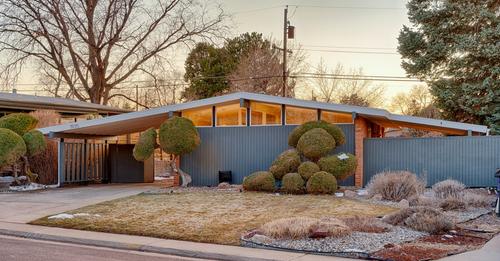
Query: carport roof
[142,120]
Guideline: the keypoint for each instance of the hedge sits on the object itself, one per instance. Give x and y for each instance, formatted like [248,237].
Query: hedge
[321,183]
[12,147]
[35,142]
[340,168]
[178,136]
[286,162]
[259,181]
[19,123]
[332,129]
[145,146]
[315,144]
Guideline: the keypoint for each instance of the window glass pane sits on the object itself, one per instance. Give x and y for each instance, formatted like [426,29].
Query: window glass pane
[200,117]
[296,115]
[231,115]
[336,117]
[265,113]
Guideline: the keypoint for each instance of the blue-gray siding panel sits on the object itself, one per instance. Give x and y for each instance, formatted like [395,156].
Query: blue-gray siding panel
[243,150]
[471,160]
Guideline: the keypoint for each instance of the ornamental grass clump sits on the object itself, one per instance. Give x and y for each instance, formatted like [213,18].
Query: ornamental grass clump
[315,144]
[286,162]
[340,165]
[449,188]
[145,146]
[424,219]
[259,181]
[293,183]
[333,130]
[304,227]
[396,185]
[307,169]
[321,182]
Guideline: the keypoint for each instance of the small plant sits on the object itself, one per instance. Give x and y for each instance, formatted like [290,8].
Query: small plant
[286,162]
[366,224]
[307,169]
[293,183]
[333,130]
[421,200]
[304,227]
[477,200]
[315,144]
[19,123]
[425,219]
[395,185]
[452,204]
[145,146]
[321,183]
[259,181]
[449,188]
[340,167]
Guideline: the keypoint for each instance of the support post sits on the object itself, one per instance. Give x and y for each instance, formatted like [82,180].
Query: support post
[285,38]
[283,114]
[60,163]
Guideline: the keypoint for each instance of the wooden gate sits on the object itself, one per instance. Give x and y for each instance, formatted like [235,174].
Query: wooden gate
[84,162]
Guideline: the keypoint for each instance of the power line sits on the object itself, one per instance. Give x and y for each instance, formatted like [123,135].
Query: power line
[350,7]
[349,47]
[344,51]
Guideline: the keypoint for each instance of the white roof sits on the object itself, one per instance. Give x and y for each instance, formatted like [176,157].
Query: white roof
[142,120]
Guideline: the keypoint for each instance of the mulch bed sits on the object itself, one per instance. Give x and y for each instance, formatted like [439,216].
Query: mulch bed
[462,240]
[410,252]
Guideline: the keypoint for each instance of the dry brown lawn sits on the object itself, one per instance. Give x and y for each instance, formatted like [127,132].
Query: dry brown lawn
[207,216]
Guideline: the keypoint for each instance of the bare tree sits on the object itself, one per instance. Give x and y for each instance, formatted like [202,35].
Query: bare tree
[104,42]
[331,86]
[413,103]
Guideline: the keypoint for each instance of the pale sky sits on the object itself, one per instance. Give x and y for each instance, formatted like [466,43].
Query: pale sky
[350,26]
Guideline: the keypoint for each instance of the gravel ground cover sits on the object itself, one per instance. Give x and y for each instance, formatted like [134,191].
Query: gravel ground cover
[355,242]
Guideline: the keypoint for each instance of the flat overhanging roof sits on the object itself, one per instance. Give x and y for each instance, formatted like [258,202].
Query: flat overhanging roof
[139,121]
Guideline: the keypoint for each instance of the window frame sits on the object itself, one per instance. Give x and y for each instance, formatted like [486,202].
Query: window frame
[261,125]
[296,124]
[222,126]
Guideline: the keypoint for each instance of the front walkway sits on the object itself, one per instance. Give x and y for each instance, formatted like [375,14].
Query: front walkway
[23,207]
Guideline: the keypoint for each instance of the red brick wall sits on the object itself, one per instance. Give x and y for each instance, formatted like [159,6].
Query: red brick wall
[361,132]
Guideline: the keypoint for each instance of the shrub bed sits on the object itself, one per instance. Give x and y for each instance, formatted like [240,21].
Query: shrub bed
[315,144]
[340,168]
[332,129]
[293,183]
[286,162]
[307,169]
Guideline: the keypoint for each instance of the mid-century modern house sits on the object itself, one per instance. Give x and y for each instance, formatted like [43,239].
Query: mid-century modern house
[243,132]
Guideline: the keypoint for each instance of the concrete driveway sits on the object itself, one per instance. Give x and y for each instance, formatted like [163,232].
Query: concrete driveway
[22,207]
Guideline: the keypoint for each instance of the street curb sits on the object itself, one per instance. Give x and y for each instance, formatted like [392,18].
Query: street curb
[124,246]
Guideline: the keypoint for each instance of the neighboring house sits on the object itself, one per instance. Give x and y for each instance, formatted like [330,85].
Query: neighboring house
[244,132]
[70,110]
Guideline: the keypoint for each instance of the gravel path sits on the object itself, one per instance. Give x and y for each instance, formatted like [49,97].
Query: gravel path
[356,242]
[466,215]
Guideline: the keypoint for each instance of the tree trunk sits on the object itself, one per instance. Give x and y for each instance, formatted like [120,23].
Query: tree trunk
[185,178]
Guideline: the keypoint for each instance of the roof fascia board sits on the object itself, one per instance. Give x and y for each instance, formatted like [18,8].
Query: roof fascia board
[439,123]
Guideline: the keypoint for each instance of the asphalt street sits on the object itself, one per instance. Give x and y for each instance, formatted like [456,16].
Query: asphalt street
[20,249]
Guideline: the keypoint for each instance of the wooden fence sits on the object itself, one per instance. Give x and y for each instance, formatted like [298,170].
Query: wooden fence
[83,162]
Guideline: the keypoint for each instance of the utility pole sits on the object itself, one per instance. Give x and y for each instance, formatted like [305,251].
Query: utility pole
[285,39]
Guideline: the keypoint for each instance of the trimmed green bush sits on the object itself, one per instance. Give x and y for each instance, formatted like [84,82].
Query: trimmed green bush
[315,144]
[259,181]
[19,123]
[178,136]
[339,168]
[321,183]
[293,183]
[332,129]
[35,142]
[12,147]
[145,146]
[286,162]
[307,169]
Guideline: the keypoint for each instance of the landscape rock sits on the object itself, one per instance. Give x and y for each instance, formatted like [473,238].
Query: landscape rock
[403,204]
[224,185]
[350,194]
[261,239]
[377,197]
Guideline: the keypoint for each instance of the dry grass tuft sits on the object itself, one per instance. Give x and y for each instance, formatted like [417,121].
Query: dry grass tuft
[304,227]
[448,189]
[396,185]
[452,204]
[420,218]
[423,201]
[365,224]
[208,216]
[478,200]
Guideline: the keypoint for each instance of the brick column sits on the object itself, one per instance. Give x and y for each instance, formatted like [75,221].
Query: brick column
[361,132]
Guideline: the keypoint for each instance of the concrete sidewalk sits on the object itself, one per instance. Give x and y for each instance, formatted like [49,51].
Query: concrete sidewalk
[154,245]
[23,207]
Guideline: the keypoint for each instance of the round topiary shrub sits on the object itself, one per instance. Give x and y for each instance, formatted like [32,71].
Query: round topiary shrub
[19,123]
[321,183]
[332,129]
[292,183]
[286,162]
[12,147]
[145,146]
[338,166]
[259,181]
[315,144]
[35,142]
[307,169]
[178,136]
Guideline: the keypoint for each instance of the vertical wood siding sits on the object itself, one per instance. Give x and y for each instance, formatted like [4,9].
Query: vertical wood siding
[471,160]
[85,162]
[243,150]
